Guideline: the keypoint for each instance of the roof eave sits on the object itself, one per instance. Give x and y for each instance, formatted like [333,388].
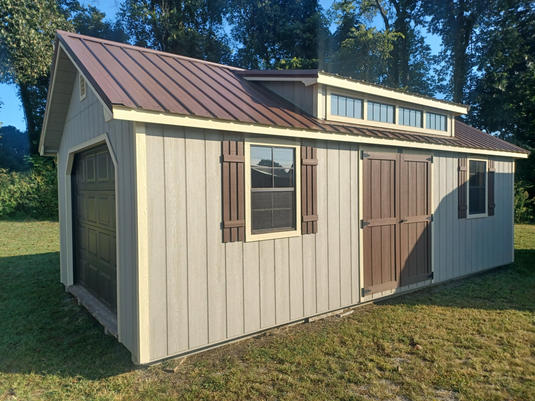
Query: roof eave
[156,117]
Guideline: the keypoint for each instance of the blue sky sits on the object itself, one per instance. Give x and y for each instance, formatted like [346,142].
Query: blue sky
[11,111]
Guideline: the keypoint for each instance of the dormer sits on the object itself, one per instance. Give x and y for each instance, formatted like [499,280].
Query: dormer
[344,100]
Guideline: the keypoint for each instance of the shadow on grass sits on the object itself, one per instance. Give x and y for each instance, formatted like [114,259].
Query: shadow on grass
[510,287]
[44,331]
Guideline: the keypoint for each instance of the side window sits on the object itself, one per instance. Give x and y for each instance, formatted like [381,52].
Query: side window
[477,187]
[273,192]
[269,190]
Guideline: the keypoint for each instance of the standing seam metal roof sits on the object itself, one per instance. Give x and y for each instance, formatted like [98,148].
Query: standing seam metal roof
[136,77]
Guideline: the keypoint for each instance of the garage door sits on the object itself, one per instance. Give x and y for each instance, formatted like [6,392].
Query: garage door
[396,220]
[94,224]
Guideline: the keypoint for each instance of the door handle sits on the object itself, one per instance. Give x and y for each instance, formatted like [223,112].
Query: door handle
[403,221]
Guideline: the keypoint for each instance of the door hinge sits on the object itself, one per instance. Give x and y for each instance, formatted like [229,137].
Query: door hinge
[430,159]
[431,276]
[430,217]
[365,291]
[363,223]
[363,155]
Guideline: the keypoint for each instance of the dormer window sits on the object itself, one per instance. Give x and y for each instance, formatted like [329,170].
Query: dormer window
[410,117]
[380,112]
[346,106]
[435,121]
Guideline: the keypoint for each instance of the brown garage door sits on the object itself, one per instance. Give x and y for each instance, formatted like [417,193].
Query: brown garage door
[94,224]
[396,220]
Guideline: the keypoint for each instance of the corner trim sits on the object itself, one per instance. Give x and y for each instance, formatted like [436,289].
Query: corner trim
[142,244]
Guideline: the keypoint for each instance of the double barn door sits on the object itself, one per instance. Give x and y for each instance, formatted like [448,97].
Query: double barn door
[396,220]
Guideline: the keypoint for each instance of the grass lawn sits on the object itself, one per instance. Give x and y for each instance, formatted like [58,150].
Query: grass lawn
[466,340]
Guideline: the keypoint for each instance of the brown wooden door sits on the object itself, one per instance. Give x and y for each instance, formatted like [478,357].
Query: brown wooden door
[380,220]
[396,220]
[415,213]
[94,224]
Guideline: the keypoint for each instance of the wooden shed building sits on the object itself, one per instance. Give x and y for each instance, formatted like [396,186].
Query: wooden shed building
[202,203]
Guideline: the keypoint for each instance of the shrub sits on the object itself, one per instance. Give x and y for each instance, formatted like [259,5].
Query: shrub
[524,205]
[33,193]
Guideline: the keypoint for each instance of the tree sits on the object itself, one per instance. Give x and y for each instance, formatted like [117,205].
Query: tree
[360,52]
[279,33]
[191,28]
[456,22]
[503,99]
[14,147]
[409,65]
[27,32]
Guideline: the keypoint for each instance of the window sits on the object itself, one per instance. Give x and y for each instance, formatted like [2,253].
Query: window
[83,93]
[273,188]
[380,112]
[412,118]
[346,106]
[435,121]
[477,187]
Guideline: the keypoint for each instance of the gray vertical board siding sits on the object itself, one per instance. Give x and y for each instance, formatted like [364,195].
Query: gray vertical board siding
[465,246]
[156,213]
[85,121]
[333,223]
[295,92]
[215,291]
[175,227]
[322,254]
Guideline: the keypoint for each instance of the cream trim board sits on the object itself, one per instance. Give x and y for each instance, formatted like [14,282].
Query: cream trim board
[47,110]
[361,229]
[479,215]
[99,140]
[305,81]
[156,117]
[348,84]
[249,236]
[142,244]
[365,98]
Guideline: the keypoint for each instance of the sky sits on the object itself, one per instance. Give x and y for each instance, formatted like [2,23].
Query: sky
[11,112]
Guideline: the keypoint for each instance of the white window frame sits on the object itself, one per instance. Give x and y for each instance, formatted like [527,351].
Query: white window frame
[479,215]
[296,145]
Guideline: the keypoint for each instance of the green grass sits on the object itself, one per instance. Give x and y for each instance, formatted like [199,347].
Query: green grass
[469,339]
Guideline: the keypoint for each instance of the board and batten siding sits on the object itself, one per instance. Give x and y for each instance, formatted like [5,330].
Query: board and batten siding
[84,122]
[466,246]
[203,291]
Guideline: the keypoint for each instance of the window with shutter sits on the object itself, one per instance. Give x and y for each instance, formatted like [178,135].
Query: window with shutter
[269,190]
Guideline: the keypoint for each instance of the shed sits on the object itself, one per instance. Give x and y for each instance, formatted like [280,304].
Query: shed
[202,203]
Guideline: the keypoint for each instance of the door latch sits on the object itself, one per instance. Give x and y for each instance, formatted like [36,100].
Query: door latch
[403,221]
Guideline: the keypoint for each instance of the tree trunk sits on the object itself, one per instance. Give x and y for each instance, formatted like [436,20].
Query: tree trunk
[33,135]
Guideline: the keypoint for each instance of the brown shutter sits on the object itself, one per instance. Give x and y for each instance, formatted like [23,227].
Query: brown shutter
[490,199]
[232,162]
[309,190]
[463,187]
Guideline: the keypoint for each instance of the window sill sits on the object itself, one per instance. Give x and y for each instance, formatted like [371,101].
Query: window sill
[272,235]
[476,216]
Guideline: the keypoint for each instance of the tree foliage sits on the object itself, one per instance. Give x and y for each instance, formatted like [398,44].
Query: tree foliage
[191,28]
[279,33]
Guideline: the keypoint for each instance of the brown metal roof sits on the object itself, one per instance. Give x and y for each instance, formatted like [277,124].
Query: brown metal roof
[136,77]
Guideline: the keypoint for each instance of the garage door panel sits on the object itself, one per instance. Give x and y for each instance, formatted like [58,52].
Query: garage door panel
[94,192]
